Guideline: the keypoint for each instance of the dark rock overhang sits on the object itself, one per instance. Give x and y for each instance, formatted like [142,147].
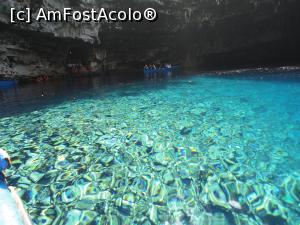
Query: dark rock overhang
[193,34]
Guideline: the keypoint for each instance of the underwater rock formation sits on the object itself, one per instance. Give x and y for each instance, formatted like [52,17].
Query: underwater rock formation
[110,157]
[197,34]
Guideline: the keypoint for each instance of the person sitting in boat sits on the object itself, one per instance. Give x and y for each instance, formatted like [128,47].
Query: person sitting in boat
[169,66]
[146,69]
[42,77]
[45,77]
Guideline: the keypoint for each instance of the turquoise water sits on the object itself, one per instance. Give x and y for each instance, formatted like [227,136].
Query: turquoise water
[191,150]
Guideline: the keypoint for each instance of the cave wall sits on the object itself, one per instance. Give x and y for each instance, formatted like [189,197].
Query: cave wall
[192,33]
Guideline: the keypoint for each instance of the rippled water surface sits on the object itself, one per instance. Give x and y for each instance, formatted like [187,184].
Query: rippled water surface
[221,149]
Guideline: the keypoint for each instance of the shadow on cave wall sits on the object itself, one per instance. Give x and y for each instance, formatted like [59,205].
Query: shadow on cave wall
[239,34]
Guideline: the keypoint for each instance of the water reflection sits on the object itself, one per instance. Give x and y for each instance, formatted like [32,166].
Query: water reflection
[32,96]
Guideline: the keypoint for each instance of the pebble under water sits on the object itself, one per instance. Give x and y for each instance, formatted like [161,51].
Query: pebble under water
[211,150]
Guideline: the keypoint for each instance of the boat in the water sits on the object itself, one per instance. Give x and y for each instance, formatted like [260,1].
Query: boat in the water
[162,70]
[5,84]
[12,211]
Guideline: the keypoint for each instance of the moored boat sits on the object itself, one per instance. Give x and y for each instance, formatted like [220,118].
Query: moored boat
[162,70]
[5,84]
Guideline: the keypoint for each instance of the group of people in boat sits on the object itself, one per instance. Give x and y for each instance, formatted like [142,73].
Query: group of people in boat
[42,78]
[157,68]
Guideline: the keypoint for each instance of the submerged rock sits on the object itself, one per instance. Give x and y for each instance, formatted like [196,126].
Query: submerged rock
[36,176]
[186,130]
[70,194]
[213,218]
[104,195]
[291,188]
[153,214]
[235,204]
[73,217]
[86,203]
[168,177]
[128,199]
[114,220]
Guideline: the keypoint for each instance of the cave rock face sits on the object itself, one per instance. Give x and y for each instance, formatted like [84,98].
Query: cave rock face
[199,34]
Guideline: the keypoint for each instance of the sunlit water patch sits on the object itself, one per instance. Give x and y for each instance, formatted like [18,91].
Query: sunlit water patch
[196,150]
